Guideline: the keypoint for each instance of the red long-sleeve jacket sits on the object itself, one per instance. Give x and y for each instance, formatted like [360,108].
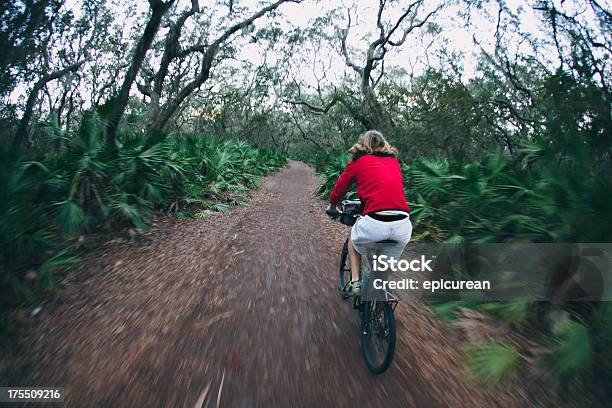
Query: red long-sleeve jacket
[379,183]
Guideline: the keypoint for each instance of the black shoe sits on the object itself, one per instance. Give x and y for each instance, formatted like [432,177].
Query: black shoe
[353,288]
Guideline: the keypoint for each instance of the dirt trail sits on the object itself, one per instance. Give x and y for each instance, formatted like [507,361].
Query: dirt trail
[239,310]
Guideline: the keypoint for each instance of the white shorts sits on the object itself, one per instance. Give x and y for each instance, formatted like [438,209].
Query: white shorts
[367,231]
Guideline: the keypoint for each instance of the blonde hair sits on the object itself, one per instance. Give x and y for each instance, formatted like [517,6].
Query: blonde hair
[372,141]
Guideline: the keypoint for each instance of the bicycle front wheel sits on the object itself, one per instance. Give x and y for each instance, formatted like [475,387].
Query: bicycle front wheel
[378,335]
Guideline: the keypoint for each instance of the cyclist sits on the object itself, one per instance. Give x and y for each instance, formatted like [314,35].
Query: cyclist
[380,187]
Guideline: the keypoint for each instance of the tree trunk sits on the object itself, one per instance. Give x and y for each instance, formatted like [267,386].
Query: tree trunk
[115,107]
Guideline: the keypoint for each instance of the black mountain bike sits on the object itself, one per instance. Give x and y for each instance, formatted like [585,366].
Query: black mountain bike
[377,312]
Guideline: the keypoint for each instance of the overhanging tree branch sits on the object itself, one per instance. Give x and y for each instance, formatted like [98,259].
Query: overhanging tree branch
[313,108]
[24,123]
[375,55]
[170,107]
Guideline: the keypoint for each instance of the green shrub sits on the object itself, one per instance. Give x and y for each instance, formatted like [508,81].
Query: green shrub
[491,361]
[72,184]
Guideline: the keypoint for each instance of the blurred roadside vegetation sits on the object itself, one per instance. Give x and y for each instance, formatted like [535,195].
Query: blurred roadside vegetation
[72,184]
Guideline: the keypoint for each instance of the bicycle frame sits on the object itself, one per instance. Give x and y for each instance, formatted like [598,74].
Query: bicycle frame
[367,272]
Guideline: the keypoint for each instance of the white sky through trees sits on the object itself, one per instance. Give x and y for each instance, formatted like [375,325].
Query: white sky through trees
[324,62]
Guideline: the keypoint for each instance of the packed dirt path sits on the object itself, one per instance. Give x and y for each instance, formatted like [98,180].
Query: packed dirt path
[239,310]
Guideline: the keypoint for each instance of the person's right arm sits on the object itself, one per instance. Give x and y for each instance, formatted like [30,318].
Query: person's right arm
[343,184]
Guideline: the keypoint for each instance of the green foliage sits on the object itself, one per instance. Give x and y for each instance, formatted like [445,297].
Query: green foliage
[572,355]
[448,310]
[491,361]
[446,118]
[22,36]
[76,183]
[514,312]
[22,231]
[548,202]
[330,167]
[60,259]
[216,170]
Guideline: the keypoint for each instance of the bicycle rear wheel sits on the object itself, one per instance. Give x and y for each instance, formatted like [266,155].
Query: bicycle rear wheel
[345,270]
[378,335]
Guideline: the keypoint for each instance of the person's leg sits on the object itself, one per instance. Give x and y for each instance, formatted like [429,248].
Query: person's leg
[355,261]
[363,234]
[402,234]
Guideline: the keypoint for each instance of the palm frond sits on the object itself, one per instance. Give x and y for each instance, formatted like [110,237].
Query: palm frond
[572,354]
[491,361]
